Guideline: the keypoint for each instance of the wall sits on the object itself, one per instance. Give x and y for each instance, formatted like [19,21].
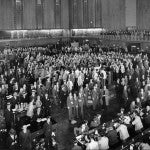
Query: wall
[108,14]
[55,14]
[34,14]
[6,14]
[130,12]
[143,14]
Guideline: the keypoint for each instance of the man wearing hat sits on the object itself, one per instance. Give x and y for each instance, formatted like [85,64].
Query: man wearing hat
[70,106]
[96,121]
[33,95]
[92,145]
[12,140]
[112,136]
[47,129]
[25,140]
[103,142]
[63,96]
[123,131]
[8,114]
[23,97]
[14,100]
[47,104]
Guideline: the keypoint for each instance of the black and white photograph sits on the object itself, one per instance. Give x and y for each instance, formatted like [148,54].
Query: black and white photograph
[74,74]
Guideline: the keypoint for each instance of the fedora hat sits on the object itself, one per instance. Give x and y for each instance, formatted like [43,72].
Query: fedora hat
[12,131]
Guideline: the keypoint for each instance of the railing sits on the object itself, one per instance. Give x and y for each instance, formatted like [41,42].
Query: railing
[116,38]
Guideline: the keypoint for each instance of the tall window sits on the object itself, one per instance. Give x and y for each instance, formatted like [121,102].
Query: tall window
[58,14]
[39,14]
[19,14]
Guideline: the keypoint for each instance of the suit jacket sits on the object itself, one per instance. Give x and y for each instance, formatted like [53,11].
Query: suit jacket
[9,144]
[86,93]
[9,141]
[46,101]
[76,102]
[113,137]
[14,101]
[94,95]
[25,140]
[70,102]
[8,116]
[106,96]
[147,119]
[33,97]
[81,100]
[47,129]
[24,99]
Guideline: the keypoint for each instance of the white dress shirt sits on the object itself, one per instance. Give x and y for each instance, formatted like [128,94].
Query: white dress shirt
[123,132]
[103,143]
[138,123]
[127,119]
[93,145]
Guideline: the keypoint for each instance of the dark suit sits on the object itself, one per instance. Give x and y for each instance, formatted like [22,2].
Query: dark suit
[63,98]
[14,101]
[47,129]
[8,118]
[147,120]
[9,144]
[25,140]
[33,98]
[47,106]
[24,99]
[113,137]
[70,106]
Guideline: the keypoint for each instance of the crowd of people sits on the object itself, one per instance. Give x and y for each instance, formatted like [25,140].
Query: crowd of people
[128,34]
[33,80]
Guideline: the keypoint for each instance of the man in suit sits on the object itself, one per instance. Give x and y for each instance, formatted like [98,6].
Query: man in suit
[105,98]
[113,137]
[146,117]
[23,98]
[46,104]
[86,93]
[96,121]
[14,100]
[8,114]
[12,140]
[33,95]
[81,103]
[63,97]
[95,97]
[70,105]
[92,145]
[76,105]
[47,129]
[25,140]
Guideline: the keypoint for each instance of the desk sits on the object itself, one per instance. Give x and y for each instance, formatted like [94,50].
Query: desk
[36,128]
[134,140]
[100,128]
